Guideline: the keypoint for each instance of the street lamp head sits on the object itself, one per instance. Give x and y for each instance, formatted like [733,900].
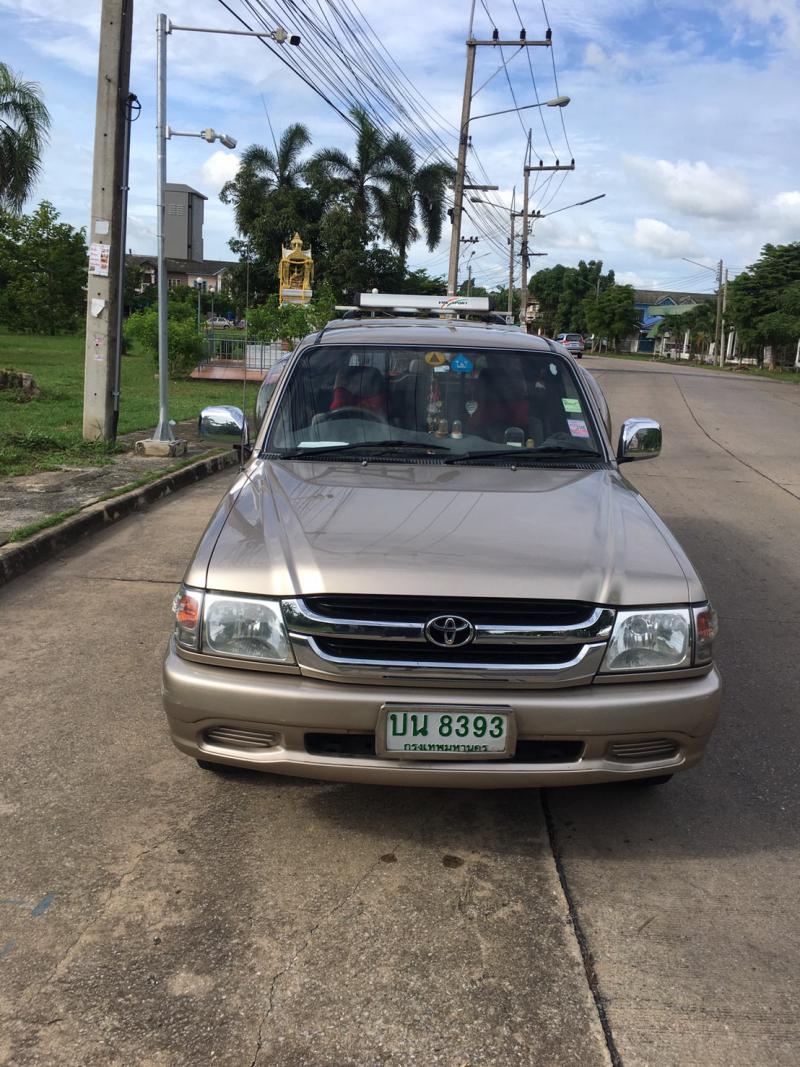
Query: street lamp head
[226,140]
[558,101]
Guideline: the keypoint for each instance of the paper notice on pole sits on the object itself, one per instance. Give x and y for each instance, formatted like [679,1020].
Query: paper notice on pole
[101,227]
[97,306]
[99,348]
[99,259]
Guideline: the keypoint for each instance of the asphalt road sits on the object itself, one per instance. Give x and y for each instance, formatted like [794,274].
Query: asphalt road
[154,914]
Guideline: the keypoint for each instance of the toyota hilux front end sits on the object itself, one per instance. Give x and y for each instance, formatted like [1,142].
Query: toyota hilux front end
[432,572]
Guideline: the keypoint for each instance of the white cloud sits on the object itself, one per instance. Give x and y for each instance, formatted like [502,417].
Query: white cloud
[594,56]
[694,188]
[662,241]
[219,168]
[787,206]
[781,17]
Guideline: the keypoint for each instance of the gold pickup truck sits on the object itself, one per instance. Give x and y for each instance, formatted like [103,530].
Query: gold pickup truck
[431,571]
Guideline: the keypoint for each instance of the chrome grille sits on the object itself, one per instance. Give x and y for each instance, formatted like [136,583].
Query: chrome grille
[523,643]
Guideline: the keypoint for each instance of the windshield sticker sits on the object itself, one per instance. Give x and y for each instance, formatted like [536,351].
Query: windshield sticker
[577,428]
[553,369]
[435,359]
[441,370]
[461,364]
[570,404]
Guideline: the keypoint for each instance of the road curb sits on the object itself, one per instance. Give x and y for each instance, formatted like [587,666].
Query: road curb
[17,559]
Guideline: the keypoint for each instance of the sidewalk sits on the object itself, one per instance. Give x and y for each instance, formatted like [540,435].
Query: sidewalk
[30,499]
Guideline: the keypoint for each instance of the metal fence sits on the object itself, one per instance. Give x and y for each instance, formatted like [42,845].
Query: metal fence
[220,350]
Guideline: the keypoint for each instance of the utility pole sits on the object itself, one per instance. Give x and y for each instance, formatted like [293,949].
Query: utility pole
[105,223]
[463,139]
[511,257]
[722,318]
[527,168]
[523,270]
[718,325]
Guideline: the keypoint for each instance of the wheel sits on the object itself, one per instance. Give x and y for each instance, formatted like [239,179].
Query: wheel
[657,779]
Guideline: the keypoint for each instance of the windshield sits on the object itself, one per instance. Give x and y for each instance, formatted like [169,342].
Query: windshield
[453,400]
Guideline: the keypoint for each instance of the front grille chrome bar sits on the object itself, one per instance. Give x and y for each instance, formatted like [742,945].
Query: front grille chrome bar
[301,619]
[315,663]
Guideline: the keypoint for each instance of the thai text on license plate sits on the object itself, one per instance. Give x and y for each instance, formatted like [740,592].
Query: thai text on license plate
[447,732]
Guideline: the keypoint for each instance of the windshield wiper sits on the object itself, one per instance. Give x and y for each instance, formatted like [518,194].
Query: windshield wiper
[524,454]
[390,445]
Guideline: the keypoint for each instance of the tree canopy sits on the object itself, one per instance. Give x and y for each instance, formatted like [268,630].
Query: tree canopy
[563,295]
[42,272]
[613,314]
[764,301]
[343,206]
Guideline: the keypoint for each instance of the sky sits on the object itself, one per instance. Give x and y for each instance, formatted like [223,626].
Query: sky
[682,112]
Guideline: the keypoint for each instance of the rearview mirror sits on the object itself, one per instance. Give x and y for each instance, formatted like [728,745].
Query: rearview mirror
[638,439]
[225,424]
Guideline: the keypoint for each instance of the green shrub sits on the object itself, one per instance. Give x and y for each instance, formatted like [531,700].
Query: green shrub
[185,347]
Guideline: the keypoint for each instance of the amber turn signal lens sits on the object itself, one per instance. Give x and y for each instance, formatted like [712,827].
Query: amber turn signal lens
[187,611]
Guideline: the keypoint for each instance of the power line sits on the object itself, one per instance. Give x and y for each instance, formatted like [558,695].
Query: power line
[276,52]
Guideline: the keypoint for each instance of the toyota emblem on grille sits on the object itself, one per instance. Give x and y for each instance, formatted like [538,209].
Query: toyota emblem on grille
[449,631]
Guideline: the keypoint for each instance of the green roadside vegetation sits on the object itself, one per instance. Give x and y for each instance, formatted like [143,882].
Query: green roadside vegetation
[22,532]
[740,370]
[45,433]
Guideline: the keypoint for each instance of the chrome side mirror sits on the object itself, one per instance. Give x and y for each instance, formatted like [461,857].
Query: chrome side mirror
[638,439]
[224,424]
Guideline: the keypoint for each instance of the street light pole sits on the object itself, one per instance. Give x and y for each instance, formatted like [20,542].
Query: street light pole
[163,439]
[719,356]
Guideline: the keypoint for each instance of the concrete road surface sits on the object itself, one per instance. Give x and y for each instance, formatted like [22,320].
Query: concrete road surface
[154,914]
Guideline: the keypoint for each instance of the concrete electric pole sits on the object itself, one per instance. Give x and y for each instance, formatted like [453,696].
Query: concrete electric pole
[105,223]
[527,170]
[463,139]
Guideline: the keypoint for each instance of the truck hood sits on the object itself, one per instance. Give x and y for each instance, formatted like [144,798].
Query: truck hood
[430,530]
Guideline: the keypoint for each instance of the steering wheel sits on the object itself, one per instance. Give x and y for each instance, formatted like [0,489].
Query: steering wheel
[350,412]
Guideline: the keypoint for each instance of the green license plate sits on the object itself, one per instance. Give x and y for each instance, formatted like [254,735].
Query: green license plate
[444,732]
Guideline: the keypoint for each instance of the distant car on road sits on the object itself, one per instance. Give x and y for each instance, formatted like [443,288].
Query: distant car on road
[573,342]
[218,323]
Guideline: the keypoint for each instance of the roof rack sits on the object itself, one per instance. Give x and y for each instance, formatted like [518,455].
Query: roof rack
[410,303]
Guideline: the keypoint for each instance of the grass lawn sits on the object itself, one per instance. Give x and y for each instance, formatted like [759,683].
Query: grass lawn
[45,433]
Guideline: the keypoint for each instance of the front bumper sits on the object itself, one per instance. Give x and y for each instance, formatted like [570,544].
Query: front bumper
[199,697]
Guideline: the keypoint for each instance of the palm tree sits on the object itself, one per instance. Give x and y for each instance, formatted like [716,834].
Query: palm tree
[383,185]
[365,183]
[419,196]
[24,125]
[263,171]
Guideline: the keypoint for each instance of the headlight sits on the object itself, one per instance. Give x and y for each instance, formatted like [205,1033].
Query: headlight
[188,609]
[650,640]
[247,628]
